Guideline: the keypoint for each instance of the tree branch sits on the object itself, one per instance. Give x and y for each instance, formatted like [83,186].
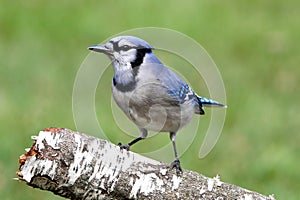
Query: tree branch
[78,166]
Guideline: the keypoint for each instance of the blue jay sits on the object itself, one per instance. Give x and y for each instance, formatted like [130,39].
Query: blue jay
[149,93]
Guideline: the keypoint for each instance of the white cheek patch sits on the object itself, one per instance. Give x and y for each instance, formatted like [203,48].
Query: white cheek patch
[130,54]
[121,67]
[126,56]
[127,66]
[117,56]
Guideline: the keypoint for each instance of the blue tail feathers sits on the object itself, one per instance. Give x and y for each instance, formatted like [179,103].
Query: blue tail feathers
[209,102]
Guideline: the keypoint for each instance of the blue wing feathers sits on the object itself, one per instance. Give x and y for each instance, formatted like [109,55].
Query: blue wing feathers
[183,93]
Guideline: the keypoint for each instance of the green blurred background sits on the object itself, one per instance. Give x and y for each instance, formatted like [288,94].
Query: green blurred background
[255,45]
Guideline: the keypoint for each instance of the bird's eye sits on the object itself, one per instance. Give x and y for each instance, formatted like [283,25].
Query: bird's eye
[125,48]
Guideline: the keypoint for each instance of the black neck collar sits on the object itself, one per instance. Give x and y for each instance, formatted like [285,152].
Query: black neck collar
[140,54]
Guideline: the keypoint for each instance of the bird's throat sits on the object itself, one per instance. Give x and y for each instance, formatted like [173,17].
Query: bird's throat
[125,81]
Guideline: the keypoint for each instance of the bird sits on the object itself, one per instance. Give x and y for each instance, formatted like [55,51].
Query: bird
[150,94]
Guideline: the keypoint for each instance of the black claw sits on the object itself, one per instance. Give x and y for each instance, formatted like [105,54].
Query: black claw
[126,146]
[176,164]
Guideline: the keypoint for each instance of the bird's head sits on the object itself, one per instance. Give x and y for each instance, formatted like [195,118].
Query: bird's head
[124,50]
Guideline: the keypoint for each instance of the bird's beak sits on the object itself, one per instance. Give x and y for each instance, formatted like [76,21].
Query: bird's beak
[100,48]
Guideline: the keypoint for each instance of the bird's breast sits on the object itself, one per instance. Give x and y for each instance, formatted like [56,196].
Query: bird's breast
[149,109]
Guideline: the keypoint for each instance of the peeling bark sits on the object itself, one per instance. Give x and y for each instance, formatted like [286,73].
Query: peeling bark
[78,166]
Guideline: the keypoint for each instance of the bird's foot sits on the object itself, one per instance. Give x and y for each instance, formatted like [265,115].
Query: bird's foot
[176,164]
[126,146]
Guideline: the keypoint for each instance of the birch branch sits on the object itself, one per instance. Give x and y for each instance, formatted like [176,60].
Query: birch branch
[77,166]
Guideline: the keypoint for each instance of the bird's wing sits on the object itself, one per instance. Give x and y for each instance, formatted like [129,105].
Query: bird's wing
[172,88]
[184,94]
[169,89]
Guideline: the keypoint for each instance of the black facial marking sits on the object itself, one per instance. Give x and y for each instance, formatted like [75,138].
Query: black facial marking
[124,88]
[115,45]
[118,48]
[124,48]
[140,54]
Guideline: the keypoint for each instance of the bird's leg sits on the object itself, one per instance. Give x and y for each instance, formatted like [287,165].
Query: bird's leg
[142,136]
[127,146]
[176,162]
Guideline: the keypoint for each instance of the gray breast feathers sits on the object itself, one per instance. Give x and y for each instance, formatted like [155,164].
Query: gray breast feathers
[150,104]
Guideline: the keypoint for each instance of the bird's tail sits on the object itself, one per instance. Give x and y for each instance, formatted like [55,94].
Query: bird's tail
[209,102]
